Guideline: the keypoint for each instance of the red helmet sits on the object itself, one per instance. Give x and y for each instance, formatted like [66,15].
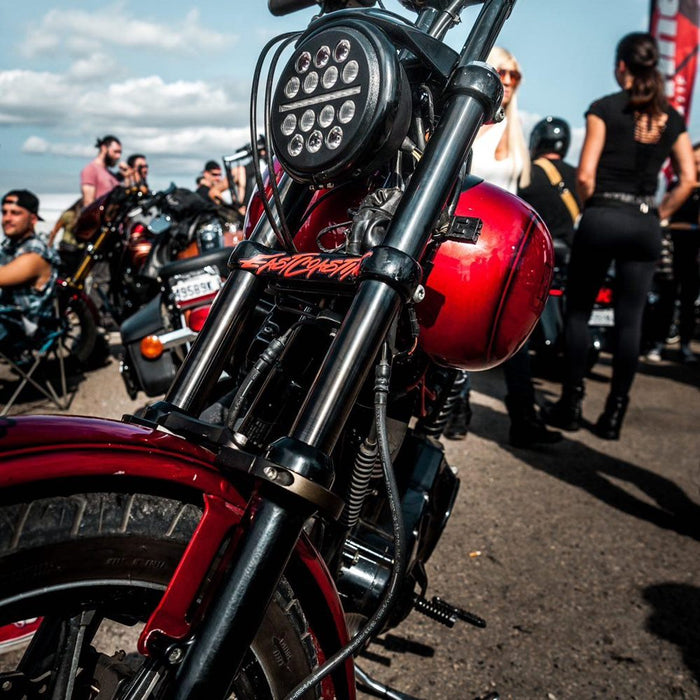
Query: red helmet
[483,299]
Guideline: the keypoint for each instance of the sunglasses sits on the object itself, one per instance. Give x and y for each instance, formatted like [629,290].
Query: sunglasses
[515,75]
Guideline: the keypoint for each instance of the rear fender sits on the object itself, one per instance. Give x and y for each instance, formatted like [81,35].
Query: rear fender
[45,450]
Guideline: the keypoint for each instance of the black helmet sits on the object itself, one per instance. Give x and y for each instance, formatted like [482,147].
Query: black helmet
[551,135]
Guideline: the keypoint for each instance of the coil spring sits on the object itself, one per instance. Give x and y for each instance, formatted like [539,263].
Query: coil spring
[434,424]
[361,475]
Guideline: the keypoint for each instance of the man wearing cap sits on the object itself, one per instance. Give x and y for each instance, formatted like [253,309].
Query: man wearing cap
[28,267]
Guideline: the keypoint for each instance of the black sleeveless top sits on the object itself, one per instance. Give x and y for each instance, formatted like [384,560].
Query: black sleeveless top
[628,165]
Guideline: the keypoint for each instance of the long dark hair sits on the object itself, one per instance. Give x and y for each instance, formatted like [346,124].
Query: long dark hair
[640,54]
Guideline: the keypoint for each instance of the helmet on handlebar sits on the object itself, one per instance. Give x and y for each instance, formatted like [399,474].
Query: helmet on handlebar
[550,135]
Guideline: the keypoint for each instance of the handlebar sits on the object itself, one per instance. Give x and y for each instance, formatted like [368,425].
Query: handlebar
[285,7]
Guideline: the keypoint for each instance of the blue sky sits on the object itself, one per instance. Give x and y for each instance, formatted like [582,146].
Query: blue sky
[172,80]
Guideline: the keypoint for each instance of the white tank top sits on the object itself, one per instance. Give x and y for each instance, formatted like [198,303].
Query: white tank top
[503,173]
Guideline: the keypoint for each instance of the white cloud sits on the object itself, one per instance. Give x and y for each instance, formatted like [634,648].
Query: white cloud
[84,32]
[178,144]
[48,98]
[36,145]
[31,97]
[93,67]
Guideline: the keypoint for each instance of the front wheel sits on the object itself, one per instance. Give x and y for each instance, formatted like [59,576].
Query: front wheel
[90,567]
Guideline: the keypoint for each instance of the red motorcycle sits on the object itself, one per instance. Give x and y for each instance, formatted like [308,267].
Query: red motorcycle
[258,554]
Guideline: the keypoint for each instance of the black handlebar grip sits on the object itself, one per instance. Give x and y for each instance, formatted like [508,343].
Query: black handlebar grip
[285,7]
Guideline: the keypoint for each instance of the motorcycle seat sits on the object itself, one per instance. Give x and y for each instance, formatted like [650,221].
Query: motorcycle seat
[218,258]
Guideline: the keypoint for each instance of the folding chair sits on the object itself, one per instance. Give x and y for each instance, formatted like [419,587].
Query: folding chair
[33,347]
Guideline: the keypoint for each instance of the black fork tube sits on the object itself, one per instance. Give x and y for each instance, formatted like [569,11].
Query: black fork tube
[339,381]
[347,363]
[260,560]
[205,361]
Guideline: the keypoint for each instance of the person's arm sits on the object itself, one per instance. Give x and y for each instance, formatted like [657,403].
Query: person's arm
[240,179]
[56,228]
[88,194]
[682,152]
[26,268]
[590,157]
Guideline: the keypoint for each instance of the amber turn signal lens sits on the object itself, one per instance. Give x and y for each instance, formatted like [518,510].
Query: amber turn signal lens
[151,347]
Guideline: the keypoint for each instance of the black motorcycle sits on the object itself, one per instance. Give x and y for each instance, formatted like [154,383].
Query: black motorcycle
[134,233]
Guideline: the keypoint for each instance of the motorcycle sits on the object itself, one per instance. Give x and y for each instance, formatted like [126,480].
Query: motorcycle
[258,555]
[136,233]
[547,340]
[157,337]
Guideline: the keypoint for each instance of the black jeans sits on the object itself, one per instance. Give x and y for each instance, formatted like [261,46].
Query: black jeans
[683,286]
[633,241]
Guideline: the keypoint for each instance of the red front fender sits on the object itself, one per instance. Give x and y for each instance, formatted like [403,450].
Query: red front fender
[55,448]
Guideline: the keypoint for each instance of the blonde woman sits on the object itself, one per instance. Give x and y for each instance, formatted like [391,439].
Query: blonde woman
[499,154]
[501,157]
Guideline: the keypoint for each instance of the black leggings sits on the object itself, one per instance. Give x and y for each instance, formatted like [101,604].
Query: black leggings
[633,241]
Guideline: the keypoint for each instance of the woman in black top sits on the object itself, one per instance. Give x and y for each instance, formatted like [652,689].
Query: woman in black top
[628,137]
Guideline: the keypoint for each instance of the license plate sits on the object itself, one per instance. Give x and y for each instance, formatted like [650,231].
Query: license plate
[196,288]
[602,317]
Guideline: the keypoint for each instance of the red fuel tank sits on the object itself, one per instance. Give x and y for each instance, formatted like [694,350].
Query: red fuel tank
[483,298]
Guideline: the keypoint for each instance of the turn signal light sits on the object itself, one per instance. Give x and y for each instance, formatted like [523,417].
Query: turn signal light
[151,347]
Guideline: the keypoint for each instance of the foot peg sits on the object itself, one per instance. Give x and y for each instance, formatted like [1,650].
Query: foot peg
[444,613]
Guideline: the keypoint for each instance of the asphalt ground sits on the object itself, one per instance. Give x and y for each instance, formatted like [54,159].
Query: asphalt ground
[583,557]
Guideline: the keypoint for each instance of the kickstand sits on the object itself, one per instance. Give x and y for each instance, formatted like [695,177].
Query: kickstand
[377,689]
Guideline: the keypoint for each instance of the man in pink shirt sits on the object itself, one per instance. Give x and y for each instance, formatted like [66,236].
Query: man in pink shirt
[96,178]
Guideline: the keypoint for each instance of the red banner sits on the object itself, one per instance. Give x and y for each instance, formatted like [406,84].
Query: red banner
[674,24]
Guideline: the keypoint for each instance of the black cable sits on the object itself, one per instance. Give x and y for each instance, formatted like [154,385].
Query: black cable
[373,626]
[254,131]
[289,240]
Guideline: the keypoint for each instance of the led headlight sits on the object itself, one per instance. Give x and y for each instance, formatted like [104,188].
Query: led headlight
[342,104]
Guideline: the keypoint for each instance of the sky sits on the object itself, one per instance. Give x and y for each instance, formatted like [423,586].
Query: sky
[172,80]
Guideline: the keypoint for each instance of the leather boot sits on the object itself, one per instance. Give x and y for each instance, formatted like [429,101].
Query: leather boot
[526,427]
[565,413]
[458,422]
[610,421]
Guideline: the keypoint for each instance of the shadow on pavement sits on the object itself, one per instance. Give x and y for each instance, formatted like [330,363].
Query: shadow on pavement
[31,400]
[594,471]
[676,618]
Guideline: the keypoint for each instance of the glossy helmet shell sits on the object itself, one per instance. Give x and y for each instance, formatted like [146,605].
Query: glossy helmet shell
[550,135]
[483,299]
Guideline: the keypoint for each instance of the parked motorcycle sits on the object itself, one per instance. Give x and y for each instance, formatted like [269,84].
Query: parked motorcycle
[136,233]
[260,554]
[547,340]
[157,337]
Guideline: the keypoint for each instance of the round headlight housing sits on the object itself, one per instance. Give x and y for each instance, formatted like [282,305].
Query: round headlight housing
[342,104]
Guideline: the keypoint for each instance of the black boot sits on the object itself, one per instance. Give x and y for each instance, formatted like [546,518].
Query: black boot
[610,421]
[458,423]
[565,413]
[526,427]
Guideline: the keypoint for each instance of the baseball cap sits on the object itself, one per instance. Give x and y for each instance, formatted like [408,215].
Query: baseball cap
[25,199]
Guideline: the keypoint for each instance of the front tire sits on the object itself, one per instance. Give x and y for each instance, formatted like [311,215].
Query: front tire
[107,557]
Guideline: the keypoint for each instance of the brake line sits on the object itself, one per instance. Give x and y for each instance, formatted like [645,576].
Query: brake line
[381,392]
